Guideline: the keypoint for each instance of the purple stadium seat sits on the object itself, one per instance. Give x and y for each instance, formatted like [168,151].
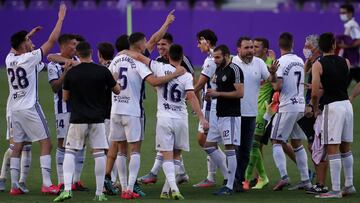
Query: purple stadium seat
[204,5]
[68,3]
[156,4]
[109,4]
[14,4]
[136,4]
[333,7]
[86,4]
[287,6]
[39,4]
[179,4]
[311,6]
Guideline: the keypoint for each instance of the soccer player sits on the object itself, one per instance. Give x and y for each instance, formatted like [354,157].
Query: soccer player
[291,109]
[56,75]
[229,81]
[331,72]
[87,116]
[127,113]
[172,134]
[27,118]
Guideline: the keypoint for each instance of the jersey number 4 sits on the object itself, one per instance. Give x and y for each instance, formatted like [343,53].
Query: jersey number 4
[19,75]
[175,94]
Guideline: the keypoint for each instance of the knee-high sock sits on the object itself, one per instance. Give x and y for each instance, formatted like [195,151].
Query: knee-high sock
[60,154]
[218,159]
[79,164]
[45,164]
[169,170]
[100,168]
[211,168]
[157,164]
[14,171]
[280,159]
[114,172]
[122,170]
[69,168]
[182,166]
[25,163]
[348,164]
[301,163]
[134,166]
[6,162]
[232,164]
[335,171]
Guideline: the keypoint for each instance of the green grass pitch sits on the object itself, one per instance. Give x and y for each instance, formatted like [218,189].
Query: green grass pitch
[195,162]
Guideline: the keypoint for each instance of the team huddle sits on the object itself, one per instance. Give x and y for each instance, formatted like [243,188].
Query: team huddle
[241,102]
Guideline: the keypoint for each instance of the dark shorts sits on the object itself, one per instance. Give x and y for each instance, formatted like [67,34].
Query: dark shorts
[307,125]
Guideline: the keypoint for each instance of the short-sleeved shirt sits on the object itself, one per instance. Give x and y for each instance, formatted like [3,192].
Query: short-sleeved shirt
[87,83]
[352,29]
[22,71]
[291,71]
[254,73]
[208,70]
[171,96]
[225,78]
[132,74]
[186,63]
[55,70]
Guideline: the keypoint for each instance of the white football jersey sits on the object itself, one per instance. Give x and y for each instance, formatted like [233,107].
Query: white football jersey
[291,71]
[208,70]
[55,70]
[131,79]
[22,71]
[171,96]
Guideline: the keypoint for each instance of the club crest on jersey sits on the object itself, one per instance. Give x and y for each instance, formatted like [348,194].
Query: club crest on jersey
[224,78]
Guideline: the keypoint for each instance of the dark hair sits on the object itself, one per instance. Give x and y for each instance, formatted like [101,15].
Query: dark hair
[136,37]
[83,50]
[286,41]
[106,50]
[241,39]
[208,34]
[18,38]
[64,38]
[168,37]
[348,7]
[264,42]
[176,52]
[80,38]
[122,43]
[223,48]
[326,41]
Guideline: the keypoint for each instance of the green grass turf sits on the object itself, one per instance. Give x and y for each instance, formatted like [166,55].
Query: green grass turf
[195,162]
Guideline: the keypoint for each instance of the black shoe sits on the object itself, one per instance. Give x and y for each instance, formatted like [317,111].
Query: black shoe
[317,189]
[224,182]
[253,182]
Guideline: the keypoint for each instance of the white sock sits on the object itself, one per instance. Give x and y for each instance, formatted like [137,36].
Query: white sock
[134,166]
[14,171]
[69,168]
[335,171]
[177,165]
[6,162]
[79,163]
[302,162]
[25,163]
[211,168]
[218,159]
[45,164]
[232,164]
[114,172]
[182,166]
[157,164]
[122,170]
[347,160]
[280,159]
[60,154]
[169,170]
[166,187]
[100,168]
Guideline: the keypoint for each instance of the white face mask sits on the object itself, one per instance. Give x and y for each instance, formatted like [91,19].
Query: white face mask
[344,17]
[307,53]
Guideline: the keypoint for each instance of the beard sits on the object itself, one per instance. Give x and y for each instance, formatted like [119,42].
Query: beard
[222,64]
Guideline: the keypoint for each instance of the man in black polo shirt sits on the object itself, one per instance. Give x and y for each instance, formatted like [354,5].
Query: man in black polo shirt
[229,80]
[85,87]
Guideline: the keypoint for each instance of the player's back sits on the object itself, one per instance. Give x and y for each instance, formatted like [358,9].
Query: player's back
[291,71]
[22,78]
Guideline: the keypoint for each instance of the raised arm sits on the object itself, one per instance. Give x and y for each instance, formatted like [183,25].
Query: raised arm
[56,31]
[272,70]
[156,81]
[158,35]
[59,59]
[33,31]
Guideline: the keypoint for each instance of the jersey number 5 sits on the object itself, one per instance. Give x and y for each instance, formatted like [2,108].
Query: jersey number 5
[122,76]
[18,74]
[175,94]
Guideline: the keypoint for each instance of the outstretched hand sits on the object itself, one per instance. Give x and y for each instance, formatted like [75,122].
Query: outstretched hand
[33,31]
[274,67]
[62,12]
[171,17]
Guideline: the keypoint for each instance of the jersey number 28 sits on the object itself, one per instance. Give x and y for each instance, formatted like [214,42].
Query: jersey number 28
[19,74]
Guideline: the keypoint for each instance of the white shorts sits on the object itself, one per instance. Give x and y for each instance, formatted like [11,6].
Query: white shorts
[62,124]
[126,128]
[338,123]
[9,129]
[107,129]
[285,126]
[78,133]
[172,133]
[29,125]
[210,117]
[225,130]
